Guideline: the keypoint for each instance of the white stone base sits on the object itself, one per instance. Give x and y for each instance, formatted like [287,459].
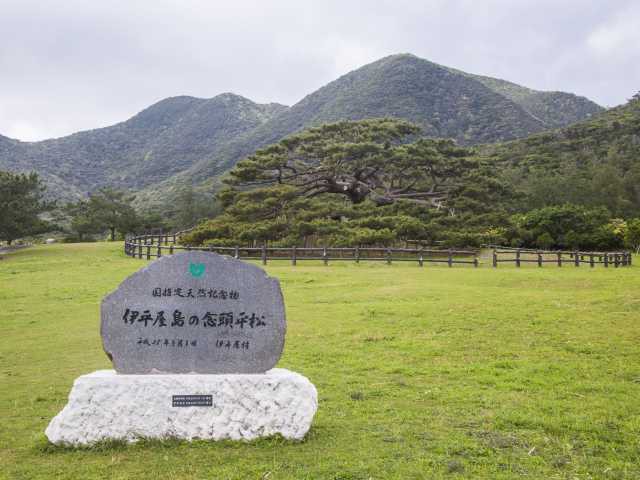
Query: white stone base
[104,405]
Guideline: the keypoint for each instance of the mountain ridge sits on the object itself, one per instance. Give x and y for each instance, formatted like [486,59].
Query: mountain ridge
[186,140]
[157,142]
[320,107]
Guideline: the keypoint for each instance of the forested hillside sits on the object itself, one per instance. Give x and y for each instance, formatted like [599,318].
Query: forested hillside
[160,141]
[371,183]
[554,109]
[190,141]
[593,163]
[444,102]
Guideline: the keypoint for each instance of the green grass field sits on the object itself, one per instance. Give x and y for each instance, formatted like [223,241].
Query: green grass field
[421,373]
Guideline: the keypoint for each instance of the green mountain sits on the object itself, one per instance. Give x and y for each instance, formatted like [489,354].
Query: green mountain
[185,140]
[155,144]
[443,101]
[553,109]
[594,162]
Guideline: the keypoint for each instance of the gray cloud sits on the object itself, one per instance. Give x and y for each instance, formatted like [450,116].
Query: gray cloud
[71,65]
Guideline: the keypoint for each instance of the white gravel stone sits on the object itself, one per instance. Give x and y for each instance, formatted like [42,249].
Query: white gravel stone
[104,405]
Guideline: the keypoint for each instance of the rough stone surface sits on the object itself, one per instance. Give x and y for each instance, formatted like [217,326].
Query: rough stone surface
[104,405]
[195,312]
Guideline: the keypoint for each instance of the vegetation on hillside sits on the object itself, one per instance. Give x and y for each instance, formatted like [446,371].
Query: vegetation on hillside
[443,102]
[577,187]
[593,163]
[107,210]
[157,143]
[112,211]
[384,181]
[183,141]
[554,109]
[358,183]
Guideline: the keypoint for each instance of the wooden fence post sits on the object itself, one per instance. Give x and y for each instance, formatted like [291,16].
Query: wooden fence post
[134,248]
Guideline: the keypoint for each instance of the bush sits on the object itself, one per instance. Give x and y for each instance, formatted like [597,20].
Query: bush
[569,227]
[545,241]
[632,235]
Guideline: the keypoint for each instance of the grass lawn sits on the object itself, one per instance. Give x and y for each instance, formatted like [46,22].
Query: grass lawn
[421,373]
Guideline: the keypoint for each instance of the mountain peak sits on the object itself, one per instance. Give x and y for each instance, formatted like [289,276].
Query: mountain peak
[197,139]
[231,96]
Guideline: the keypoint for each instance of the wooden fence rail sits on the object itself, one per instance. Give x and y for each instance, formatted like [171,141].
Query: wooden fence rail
[560,257]
[156,246]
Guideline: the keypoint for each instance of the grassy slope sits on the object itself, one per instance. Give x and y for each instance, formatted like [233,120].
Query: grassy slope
[434,372]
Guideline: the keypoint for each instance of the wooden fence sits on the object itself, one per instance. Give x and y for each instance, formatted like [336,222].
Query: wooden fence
[519,256]
[156,246]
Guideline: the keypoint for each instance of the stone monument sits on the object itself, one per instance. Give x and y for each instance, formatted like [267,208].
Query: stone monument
[193,338]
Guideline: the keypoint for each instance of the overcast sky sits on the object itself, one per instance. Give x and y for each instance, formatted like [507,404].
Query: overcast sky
[70,65]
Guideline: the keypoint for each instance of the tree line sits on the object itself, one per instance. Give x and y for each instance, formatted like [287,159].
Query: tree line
[378,183]
[106,213]
[375,182]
